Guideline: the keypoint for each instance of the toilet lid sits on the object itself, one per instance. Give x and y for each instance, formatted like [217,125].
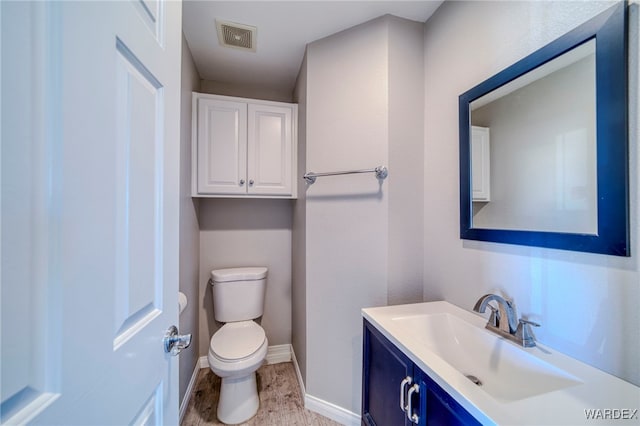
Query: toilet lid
[237,340]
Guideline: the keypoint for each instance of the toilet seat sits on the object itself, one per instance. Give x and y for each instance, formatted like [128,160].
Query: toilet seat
[237,341]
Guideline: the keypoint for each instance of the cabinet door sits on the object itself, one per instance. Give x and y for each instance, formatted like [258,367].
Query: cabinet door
[480,164]
[222,147]
[270,150]
[384,368]
[437,407]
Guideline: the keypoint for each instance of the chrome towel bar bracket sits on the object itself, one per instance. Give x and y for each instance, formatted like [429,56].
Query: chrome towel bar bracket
[380,171]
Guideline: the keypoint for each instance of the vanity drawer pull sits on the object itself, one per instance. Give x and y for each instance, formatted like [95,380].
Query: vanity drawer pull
[403,386]
[413,417]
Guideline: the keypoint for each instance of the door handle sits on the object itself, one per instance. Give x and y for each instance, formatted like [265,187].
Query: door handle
[174,343]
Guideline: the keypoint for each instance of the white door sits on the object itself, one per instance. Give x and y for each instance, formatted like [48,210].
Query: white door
[270,150]
[90,157]
[222,147]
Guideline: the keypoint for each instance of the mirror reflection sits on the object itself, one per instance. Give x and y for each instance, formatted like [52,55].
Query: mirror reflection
[533,149]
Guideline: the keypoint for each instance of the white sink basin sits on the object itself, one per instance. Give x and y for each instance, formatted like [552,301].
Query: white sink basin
[520,386]
[503,370]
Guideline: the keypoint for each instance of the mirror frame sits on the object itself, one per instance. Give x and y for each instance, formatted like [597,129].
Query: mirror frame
[609,28]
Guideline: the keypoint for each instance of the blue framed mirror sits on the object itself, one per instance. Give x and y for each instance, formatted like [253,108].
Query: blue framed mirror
[543,145]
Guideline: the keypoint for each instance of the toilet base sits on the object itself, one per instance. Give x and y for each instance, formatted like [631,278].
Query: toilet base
[238,399]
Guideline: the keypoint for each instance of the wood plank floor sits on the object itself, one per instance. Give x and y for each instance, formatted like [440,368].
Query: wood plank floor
[280,400]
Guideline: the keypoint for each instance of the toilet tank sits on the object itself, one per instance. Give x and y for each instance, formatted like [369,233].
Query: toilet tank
[238,293]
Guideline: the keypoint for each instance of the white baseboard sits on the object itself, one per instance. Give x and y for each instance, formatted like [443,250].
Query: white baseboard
[322,407]
[275,355]
[278,353]
[203,361]
[298,373]
[187,395]
[332,411]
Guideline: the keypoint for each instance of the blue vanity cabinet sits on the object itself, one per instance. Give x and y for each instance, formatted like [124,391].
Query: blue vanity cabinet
[384,369]
[438,407]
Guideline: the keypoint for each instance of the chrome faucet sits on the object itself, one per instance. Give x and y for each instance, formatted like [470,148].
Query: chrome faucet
[503,320]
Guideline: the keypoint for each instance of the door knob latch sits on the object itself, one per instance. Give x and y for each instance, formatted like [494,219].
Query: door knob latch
[174,343]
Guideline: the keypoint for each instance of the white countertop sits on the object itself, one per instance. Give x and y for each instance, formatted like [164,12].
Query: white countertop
[594,389]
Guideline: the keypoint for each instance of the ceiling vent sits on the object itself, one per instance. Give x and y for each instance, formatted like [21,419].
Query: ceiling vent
[237,36]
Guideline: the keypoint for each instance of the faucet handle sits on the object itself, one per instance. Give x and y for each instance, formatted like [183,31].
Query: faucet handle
[494,317]
[524,333]
[524,321]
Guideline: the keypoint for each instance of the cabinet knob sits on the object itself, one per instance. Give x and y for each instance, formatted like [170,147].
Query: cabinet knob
[241,182]
[251,182]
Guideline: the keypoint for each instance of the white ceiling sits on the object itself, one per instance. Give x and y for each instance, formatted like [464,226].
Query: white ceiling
[284,29]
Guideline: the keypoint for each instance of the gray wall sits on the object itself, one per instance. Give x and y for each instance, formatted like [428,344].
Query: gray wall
[235,233]
[362,111]
[299,241]
[587,303]
[346,232]
[406,151]
[245,91]
[189,231]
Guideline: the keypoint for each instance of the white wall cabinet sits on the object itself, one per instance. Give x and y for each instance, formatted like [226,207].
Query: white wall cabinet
[243,147]
[480,164]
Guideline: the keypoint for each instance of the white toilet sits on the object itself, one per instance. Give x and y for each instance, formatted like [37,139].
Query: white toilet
[239,348]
